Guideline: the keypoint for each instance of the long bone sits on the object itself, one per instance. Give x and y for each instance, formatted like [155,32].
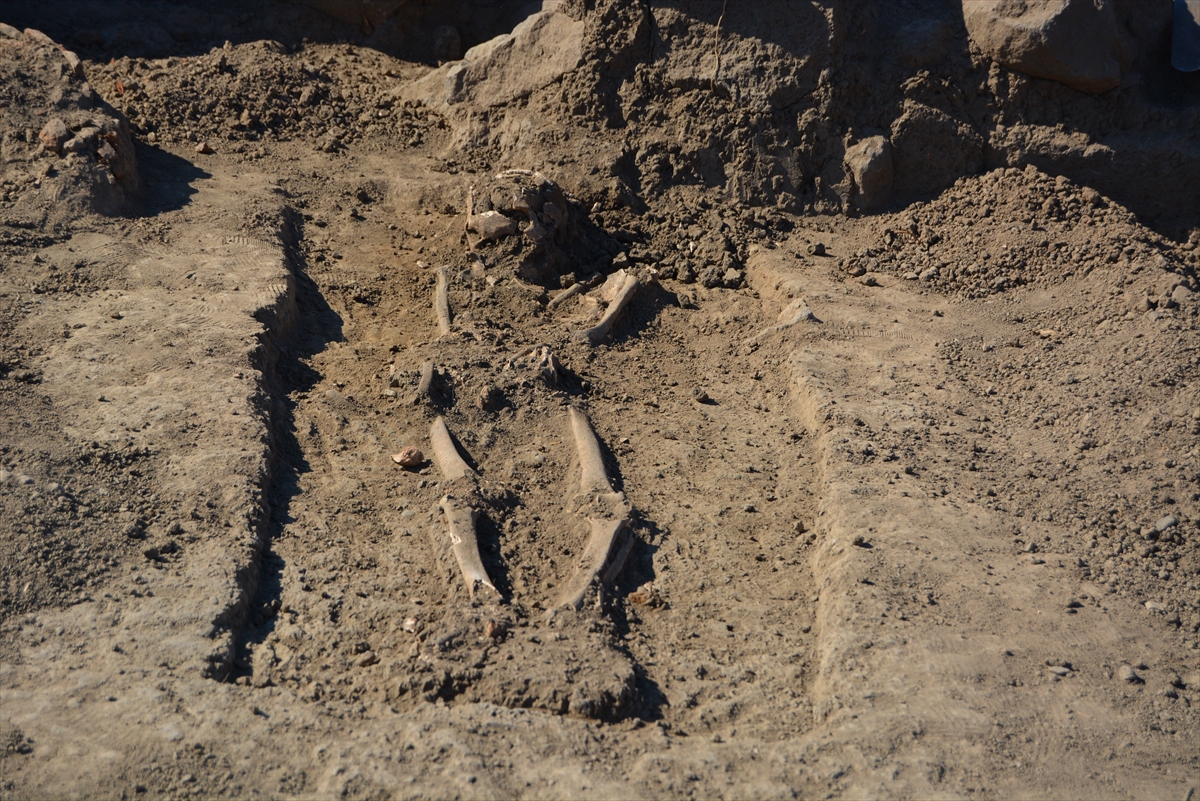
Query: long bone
[607,513]
[441,303]
[460,517]
[596,334]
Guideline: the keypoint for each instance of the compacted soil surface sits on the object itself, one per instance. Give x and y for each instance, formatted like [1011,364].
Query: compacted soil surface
[903,463]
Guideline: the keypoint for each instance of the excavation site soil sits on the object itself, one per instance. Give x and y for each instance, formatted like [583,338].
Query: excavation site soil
[598,399]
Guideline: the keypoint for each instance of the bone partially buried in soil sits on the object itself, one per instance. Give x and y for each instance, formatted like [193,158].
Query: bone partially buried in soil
[607,514]
[625,290]
[460,514]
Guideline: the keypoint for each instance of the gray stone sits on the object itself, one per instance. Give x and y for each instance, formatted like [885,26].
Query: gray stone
[1164,523]
[1128,675]
[869,163]
[1075,42]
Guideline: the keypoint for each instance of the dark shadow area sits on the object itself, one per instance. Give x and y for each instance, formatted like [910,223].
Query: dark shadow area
[417,30]
[285,353]
[638,570]
[168,181]
[487,534]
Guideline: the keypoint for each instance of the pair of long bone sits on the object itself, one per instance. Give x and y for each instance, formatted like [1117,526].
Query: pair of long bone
[606,511]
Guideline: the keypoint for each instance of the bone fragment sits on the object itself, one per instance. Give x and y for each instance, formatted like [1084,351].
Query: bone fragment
[607,513]
[460,519]
[594,477]
[426,382]
[441,303]
[449,461]
[534,174]
[570,292]
[597,333]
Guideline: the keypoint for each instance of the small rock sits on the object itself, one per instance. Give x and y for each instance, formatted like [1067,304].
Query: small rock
[1165,523]
[409,457]
[204,148]
[1192,680]
[365,659]
[868,279]
[646,595]
[1059,670]
[1155,606]
[732,278]
[700,395]
[711,277]
[493,225]
[410,625]
[686,273]
[1127,674]
[84,139]
[54,134]
[816,249]
[494,630]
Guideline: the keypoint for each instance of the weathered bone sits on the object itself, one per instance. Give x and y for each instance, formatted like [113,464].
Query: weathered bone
[426,382]
[441,303]
[534,174]
[460,516]
[597,333]
[607,513]
[449,461]
[461,519]
[571,291]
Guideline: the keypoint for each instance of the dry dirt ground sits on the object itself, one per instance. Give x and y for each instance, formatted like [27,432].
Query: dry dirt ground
[912,495]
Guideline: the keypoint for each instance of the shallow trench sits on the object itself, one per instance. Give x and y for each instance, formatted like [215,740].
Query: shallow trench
[358,600]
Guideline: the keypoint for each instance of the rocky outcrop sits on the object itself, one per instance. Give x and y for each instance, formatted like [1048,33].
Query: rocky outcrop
[1075,42]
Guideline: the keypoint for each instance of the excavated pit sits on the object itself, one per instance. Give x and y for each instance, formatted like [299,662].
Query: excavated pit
[901,403]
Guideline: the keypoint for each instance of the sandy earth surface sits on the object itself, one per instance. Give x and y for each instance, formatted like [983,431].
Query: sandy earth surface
[911,494]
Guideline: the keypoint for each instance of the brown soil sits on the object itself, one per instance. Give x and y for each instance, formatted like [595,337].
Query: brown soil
[913,493]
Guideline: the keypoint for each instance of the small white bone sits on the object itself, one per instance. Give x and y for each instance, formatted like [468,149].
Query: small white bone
[441,303]
[607,513]
[597,333]
[449,461]
[461,519]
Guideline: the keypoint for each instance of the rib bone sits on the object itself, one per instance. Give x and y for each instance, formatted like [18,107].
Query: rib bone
[460,516]
[441,303]
[461,521]
[449,462]
[596,334]
[607,513]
